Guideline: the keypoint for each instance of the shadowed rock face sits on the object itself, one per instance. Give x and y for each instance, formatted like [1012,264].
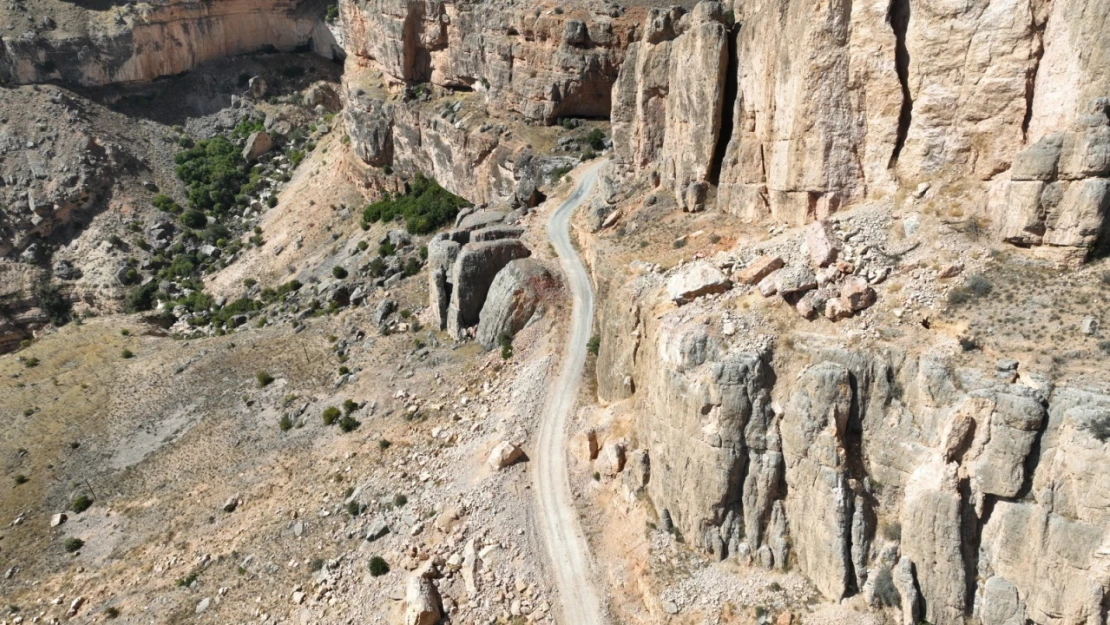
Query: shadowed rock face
[513,299]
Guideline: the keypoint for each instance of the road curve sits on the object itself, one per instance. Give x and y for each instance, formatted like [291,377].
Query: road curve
[566,545]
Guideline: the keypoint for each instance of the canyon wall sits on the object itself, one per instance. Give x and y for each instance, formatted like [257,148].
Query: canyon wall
[541,61]
[144,42]
[985,489]
[824,104]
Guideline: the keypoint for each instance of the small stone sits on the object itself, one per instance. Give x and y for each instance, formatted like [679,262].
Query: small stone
[58,519]
[670,607]
[503,455]
[951,271]
[759,269]
[1006,364]
[202,605]
[820,243]
[1089,326]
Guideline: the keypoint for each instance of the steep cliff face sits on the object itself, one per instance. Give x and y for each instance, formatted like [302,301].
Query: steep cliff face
[542,62]
[825,104]
[840,462]
[143,42]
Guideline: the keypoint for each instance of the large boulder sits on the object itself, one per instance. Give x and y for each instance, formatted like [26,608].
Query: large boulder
[512,300]
[423,605]
[696,280]
[258,143]
[471,277]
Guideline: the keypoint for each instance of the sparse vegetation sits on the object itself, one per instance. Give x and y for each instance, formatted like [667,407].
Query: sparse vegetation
[21,479]
[976,286]
[285,423]
[348,423]
[399,500]
[384,444]
[596,139]
[264,379]
[330,415]
[73,545]
[1098,427]
[885,590]
[505,340]
[338,272]
[594,345]
[126,354]
[80,503]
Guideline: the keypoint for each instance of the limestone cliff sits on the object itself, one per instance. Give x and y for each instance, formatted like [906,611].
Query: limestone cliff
[841,461]
[822,105]
[541,62]
[141,42]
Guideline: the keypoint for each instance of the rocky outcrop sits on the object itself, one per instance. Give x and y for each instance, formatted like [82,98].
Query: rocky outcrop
[462,273]
[979,497]
[1058,193]
[144,42]
[423,605]
[542,62]
[513,299]
[479,161]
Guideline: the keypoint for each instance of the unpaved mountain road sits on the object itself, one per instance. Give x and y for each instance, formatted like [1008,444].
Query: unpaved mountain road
[566,545]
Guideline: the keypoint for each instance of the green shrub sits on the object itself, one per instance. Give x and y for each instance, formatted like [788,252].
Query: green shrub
[376,267]
[425,208]
[80,503]
[73,545]
[974,287]
[387,249]
[344,370]
[194,219]
[272,201]
[126,353]
[338,272]
[596,139]
[412,267]
[400,500]
[505,340]
[30,362]
[1098,427]
[111,612]
[354,508]
[362,245]
[330,415]
[378,566]
[166,203]
[249,282]
[384,444]
[21,479]
[285,423]
[349,405]
[332,14]
[594,345]
[264,378]
[53,303]
[348,423]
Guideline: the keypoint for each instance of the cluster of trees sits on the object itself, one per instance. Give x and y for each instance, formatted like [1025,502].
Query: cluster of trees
[425,208]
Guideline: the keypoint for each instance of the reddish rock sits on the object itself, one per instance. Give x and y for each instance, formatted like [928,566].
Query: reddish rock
[759,269]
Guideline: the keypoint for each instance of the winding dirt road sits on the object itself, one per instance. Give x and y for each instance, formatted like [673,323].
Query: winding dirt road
[566,545]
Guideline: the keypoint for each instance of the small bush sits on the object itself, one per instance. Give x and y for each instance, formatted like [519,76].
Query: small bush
[362,245]
[384,444]
[1099,427]
[330,415]
[316,564]
[349,405]
[400,500]
[594,345]
[680,243]
[285,423]
[21,479]
[597,476]
[111,613]
[892,531]
[338,272]
[596,139]
[124,332]
[264,379]
[31,362]
[505,340]
[354,508]
[127,354]
[73,545]
[80,503]
[378,566]
[348,423]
